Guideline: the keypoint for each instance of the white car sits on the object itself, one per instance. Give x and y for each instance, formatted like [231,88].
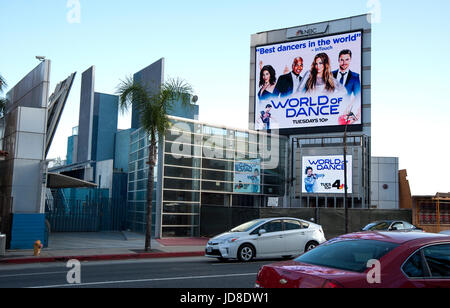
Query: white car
[266,238]
[446,232]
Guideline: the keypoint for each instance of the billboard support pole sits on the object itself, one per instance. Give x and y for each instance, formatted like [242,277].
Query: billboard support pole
[345,173]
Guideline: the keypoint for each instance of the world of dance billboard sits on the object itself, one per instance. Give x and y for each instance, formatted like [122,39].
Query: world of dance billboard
[309,83]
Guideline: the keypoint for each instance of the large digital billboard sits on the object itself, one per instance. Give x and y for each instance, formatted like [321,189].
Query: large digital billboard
[309,83]
[325,174]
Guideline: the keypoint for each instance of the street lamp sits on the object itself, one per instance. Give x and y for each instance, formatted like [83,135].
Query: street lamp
[350,114]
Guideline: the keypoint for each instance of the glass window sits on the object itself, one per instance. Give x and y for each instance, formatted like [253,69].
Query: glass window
[217,175]
[132,167]
[182,184]
[248,225]
[177,172]
[180,220]
[177,207]
[398,226]
[140,164]
[376,226]
[438,260]
[408,226]
[215,199]
[305,225]
[350,255]
[172,195]
[292,225]
[272,190]
[273,226]
[413,268]
[217,186]
[217,164]
[181,161]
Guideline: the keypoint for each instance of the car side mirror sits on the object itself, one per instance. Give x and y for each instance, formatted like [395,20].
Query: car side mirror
[261,232]
[393,228]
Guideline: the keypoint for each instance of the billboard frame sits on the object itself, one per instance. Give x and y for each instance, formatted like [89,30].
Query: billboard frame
[318,129]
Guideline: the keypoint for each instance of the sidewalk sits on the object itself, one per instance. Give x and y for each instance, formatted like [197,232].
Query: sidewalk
[106,246]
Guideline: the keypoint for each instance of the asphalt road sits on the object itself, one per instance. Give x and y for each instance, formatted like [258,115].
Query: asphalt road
[194,272]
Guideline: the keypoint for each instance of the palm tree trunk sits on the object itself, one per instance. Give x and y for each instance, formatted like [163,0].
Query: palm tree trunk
[150,184]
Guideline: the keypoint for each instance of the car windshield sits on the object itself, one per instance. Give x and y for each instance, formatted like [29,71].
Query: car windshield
[350,255]
[248,226]
[381,225]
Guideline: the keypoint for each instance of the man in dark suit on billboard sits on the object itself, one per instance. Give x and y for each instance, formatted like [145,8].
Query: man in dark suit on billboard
[286,84]
[345,76]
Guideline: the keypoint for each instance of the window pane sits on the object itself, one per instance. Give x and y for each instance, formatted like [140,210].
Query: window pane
[218,164]
[292,225]
[413,267]
[215,199]
[182,184]
[187,173]
[351,255]
[273,226]
[438,259]
[171,195]
[217,186]
[180,220]
[217,175]
[174,207]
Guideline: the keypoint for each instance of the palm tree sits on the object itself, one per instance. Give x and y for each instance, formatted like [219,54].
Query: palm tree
[153,109]
[3,85]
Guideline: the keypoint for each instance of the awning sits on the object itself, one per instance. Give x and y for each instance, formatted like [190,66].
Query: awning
[56,180]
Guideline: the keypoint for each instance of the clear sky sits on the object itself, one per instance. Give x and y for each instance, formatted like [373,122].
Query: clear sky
[207,43]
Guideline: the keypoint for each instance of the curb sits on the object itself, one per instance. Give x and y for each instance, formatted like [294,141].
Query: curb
[149,255]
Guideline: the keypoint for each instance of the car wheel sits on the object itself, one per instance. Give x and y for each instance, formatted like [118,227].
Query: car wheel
[311,245]
[246,253]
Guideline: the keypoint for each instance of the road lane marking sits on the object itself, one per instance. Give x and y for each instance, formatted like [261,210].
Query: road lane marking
[144,280]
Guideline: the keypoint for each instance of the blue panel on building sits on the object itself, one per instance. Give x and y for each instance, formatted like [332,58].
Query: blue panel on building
[27,229]
[122,150]
[106,113]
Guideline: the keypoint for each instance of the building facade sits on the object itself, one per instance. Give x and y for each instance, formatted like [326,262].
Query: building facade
[204,164]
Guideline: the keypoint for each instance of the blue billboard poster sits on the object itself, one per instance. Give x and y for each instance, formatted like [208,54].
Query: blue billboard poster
[325,174]
[247,176]
[309,83]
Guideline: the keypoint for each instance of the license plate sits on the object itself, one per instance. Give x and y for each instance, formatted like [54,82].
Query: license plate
[209,249]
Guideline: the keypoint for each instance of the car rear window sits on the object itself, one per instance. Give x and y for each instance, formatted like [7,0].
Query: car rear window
[350,255]
[376,226]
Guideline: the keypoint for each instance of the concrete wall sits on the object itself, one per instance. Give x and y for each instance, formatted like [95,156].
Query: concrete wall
[24,140]
[385,182]
[22,184]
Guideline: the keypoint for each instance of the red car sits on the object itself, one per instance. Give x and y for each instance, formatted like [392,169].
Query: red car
[366,260]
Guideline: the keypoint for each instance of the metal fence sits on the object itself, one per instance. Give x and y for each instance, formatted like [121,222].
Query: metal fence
[67,215]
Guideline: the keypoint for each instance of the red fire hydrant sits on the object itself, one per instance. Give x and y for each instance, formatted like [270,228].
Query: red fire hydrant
[37,248]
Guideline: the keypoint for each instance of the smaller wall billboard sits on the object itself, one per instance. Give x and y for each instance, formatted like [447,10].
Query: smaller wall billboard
[247,176]
[325,174]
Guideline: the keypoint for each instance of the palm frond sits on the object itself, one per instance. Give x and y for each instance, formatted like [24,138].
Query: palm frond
[3,84]
[3,102]
[131,92]
[153,108]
